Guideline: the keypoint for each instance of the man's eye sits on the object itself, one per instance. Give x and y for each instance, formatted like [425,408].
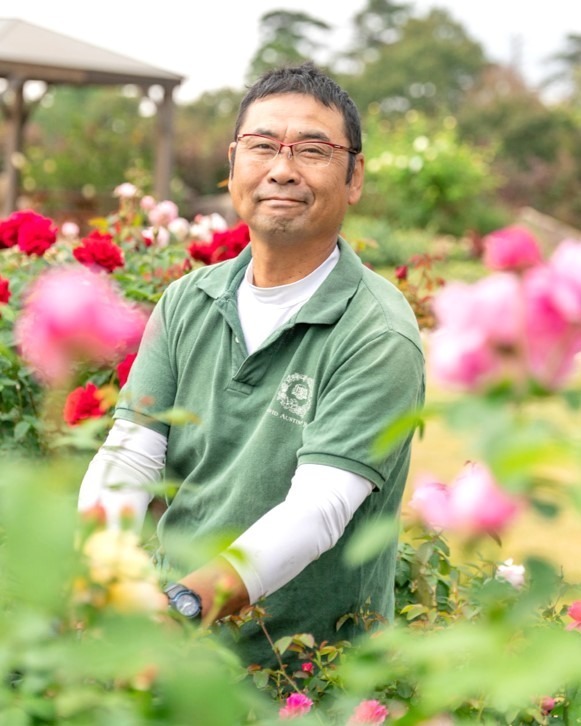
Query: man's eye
[263,146]
[314,150]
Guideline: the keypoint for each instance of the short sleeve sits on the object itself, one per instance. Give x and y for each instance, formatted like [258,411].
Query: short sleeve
[151,385]
[378,381]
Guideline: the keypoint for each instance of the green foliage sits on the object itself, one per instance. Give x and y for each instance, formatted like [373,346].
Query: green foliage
[380,243]
[420,175]
[427,66]
[74,159]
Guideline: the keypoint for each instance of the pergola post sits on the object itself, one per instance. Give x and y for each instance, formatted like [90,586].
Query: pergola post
[163,145]
[15,118]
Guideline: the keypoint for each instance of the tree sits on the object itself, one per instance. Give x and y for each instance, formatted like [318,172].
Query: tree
[286,38]
[377,24]
[428,68]
[569,72]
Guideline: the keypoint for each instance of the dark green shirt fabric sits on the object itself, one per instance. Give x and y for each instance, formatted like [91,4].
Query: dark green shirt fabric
[319,390]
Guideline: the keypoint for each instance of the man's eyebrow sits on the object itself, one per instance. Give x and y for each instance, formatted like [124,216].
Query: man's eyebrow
[310,135]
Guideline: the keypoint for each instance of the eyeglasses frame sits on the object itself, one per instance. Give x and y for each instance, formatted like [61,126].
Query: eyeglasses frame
[282,144]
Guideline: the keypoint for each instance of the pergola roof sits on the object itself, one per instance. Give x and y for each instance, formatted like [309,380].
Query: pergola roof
[39,54]
[31,53]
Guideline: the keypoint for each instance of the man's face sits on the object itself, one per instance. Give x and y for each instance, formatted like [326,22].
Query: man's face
[282,200]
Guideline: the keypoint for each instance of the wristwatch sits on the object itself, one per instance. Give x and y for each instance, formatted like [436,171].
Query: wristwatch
[184,601]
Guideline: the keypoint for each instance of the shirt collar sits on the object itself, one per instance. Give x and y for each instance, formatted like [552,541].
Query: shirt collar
[327,304]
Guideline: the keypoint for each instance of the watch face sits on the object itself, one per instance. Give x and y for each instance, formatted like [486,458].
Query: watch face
[188,605]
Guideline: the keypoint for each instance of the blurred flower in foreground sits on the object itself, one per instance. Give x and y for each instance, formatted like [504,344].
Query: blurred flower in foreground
[511,248]
[472,505]
[547,704]
[297,704]
[72,315]
[575,612]
[514,574]
[83,403]
[117,562]
[368,712]
[511,328]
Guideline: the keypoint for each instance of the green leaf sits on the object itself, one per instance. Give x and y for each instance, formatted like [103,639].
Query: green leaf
[397,430]
[370,540]
[283,643]
[21,429]
[177,417]
[260,679]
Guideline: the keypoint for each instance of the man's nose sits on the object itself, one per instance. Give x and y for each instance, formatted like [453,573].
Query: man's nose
[283,167]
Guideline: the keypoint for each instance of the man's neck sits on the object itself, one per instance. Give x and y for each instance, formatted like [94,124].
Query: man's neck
[283,265]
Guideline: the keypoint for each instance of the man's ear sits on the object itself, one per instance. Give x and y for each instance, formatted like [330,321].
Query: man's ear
[356,183]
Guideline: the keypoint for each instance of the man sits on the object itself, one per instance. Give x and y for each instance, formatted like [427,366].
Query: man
[293,356]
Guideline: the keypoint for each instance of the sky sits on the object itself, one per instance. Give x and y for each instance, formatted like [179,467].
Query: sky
[211,42]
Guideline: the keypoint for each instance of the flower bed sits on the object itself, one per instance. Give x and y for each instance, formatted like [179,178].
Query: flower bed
[85,634]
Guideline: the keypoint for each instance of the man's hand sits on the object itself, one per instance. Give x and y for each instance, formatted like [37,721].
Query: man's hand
[220,588]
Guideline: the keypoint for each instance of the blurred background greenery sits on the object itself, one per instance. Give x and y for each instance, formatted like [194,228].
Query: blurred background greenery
[455,142]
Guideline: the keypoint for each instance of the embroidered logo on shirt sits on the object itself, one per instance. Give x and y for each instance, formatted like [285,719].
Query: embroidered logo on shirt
[295,393]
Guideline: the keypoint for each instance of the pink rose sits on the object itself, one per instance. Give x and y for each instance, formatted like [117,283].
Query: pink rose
[70,230]
[575,612]
[547,705]
[431,502]
[296,705]
[368,712]
[472,505]
[566,262]
[511,573]
[307,668]
[551,341]
[163,213]
[478,504]
[72,315]
[125,191]
[511,248]
[147,203]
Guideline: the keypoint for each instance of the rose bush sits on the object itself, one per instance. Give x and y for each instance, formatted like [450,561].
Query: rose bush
[85,635]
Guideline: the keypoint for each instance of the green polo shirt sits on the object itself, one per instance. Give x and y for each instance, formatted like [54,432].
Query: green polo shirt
[318,391]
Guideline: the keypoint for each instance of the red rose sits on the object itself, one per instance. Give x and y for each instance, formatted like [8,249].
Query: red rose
[36,233]
[124,367]
[4,290]
[32,232]
[82,403]
[401,272]
[224,245]
[99,249]
[8,232]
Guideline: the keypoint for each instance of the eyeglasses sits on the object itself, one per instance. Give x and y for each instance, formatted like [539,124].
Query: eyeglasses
[262,149]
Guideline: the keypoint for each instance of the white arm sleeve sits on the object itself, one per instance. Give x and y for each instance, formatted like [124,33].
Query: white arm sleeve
[320,504]
[131,456]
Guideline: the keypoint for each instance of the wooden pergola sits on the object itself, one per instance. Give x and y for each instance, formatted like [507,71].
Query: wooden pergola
[31,53]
